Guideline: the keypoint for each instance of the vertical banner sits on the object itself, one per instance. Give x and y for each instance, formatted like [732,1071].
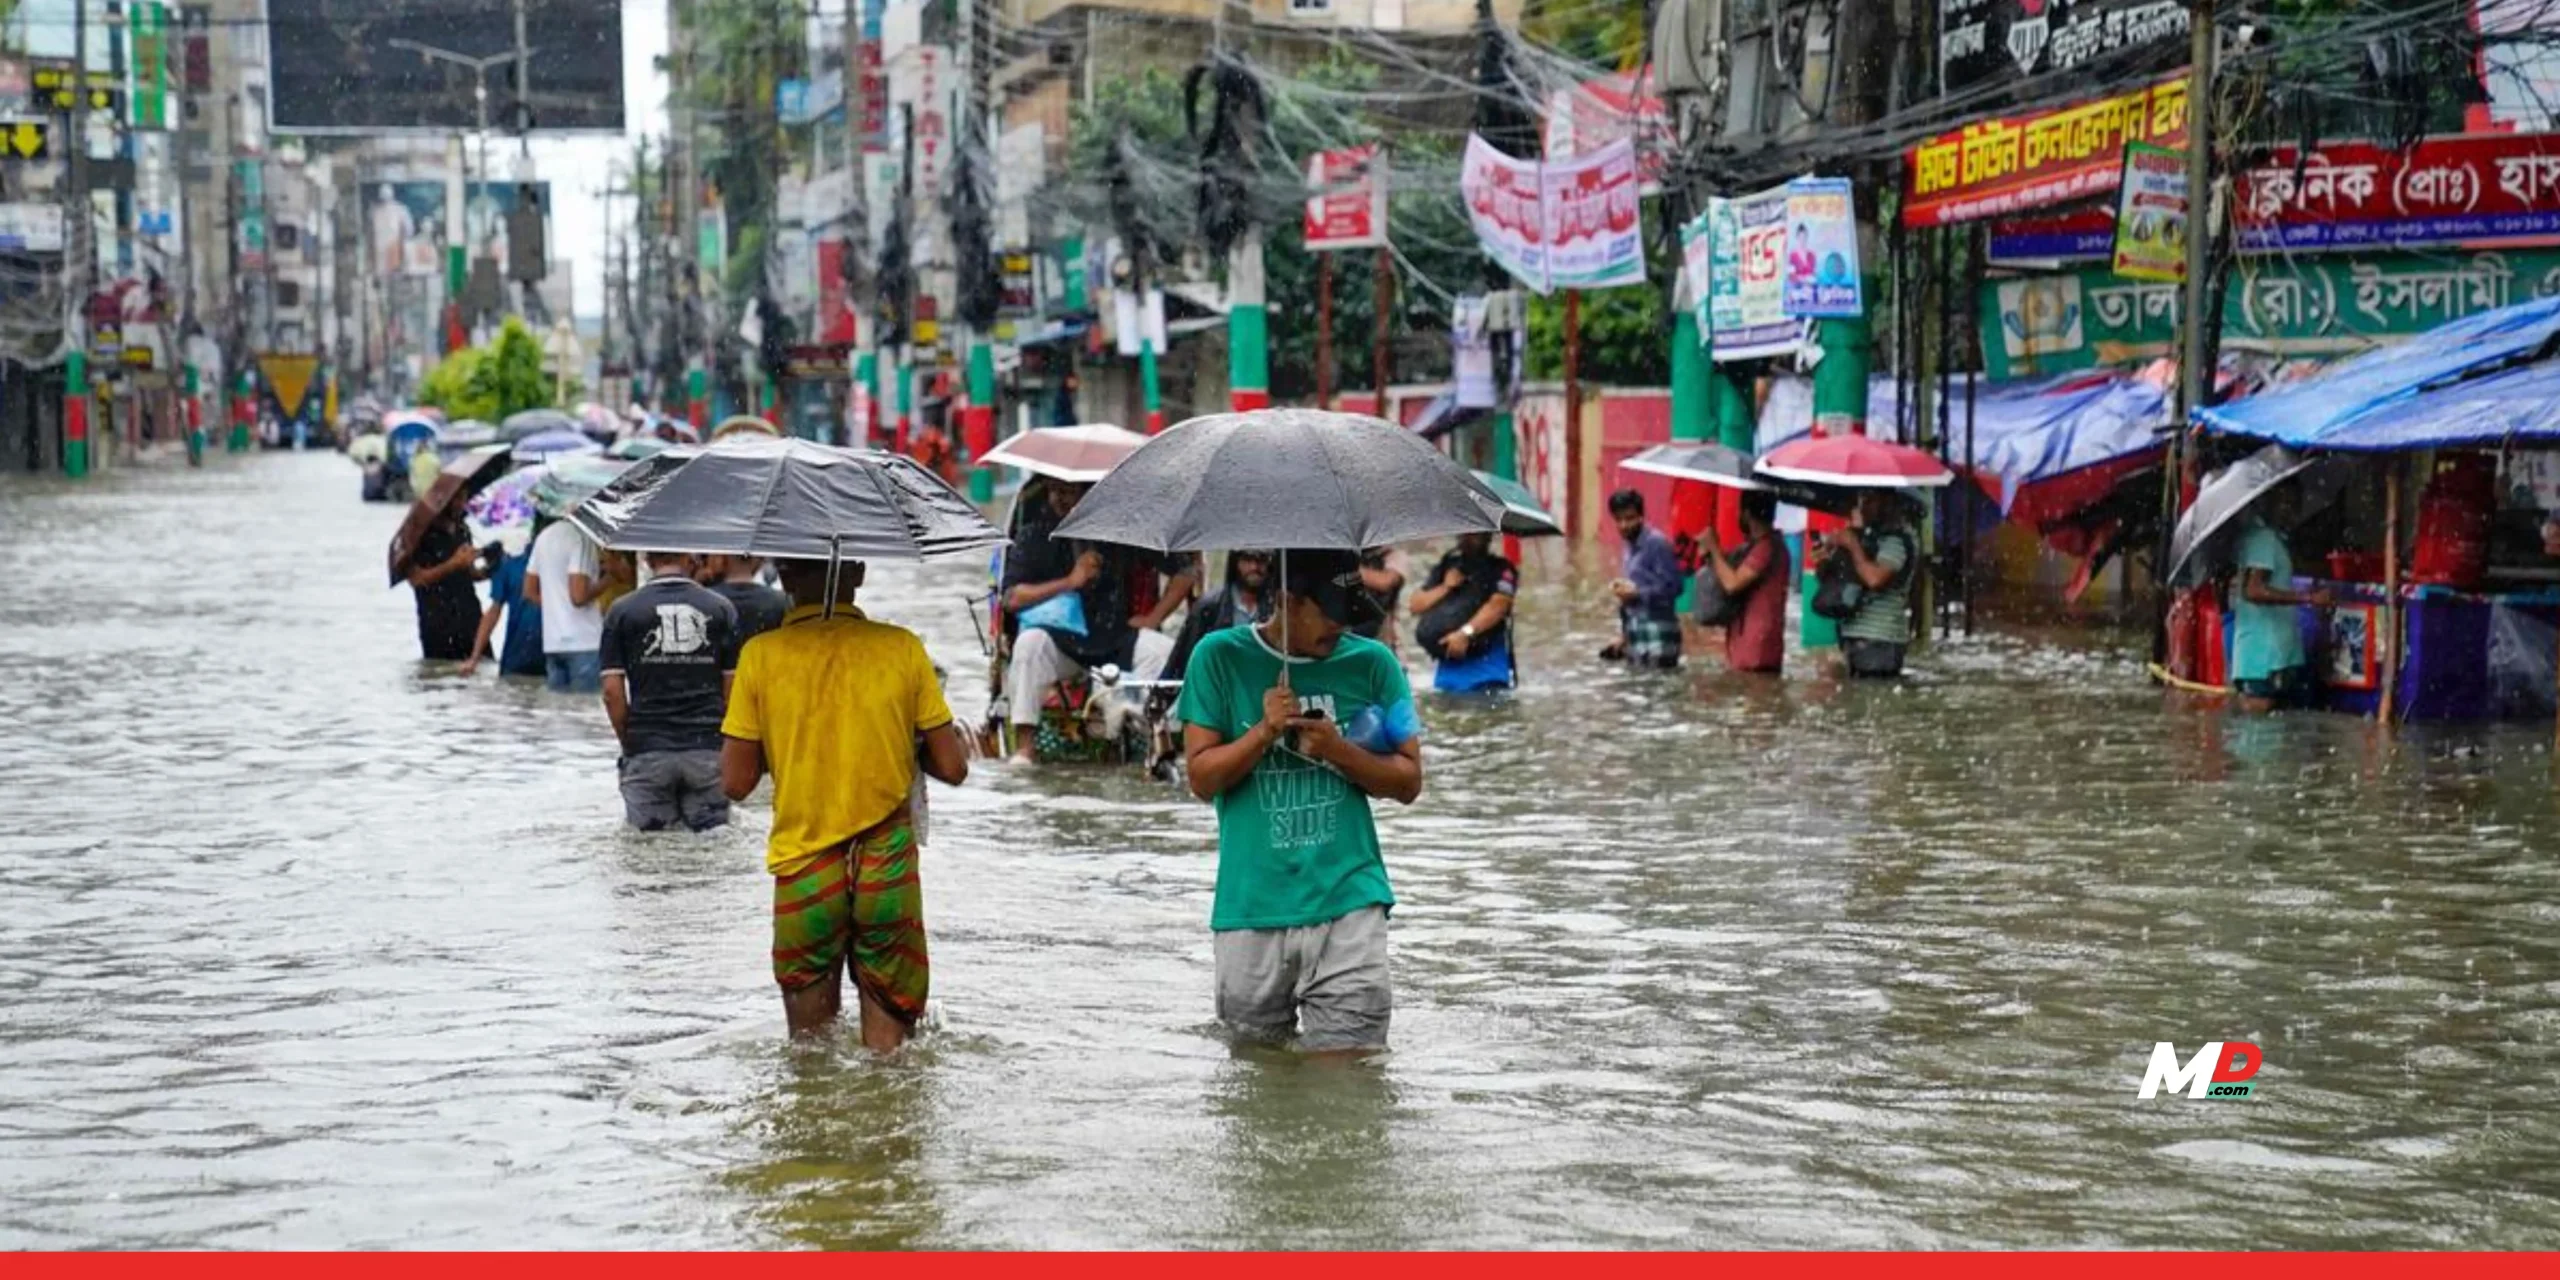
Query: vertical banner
[1348,205]
[1697,264]
[2151,214]
[1504,206]
[1747,249]
[1822,250]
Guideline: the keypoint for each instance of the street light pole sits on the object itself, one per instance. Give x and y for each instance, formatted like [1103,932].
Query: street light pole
[480,68]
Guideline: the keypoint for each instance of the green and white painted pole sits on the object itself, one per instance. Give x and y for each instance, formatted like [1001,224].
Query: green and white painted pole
[978,420]
[75,414]
[1248,329]
[194,408]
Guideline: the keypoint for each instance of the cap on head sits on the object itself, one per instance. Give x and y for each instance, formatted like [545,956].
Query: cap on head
[1330,579]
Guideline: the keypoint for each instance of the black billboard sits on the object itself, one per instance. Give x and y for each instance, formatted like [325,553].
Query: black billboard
[1982,40]
[353,66]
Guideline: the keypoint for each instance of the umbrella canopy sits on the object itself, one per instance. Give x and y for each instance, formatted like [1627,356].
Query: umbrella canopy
[461,478]
[1856,462]
[533,422]
[470,433]
[508,500]
[409,435]
[1522,515]
[794,499]
[2205,529]
[535,448]
[637,447]
[1706,463]
[743,424]
[399,418]
[1284,478]
[568,481]
[1079,455]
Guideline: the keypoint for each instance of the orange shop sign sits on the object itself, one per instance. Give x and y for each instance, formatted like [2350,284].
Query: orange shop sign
[2014,163]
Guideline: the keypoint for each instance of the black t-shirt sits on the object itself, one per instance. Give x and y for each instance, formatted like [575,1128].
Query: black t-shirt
[760,608]
[449,609]
[1036,558]
[1486,576]
[671,639]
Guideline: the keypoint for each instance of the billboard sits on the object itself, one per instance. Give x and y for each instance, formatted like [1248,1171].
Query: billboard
[351,66]
[404,227]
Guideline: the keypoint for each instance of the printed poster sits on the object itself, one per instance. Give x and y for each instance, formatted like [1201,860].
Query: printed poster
[1566,224]
[2151,214]
[1747,318]
[1348,209]
[1822,250]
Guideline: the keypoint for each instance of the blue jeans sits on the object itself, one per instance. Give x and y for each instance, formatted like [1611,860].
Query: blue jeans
[573,672]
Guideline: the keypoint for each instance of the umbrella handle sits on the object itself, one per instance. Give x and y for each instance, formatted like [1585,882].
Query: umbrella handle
[1284,618]
[835,565]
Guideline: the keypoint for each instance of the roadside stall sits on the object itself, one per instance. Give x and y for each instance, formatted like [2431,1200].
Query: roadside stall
[2439,464]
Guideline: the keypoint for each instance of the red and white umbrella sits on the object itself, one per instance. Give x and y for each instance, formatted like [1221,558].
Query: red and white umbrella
[1856,462]
[1077,455]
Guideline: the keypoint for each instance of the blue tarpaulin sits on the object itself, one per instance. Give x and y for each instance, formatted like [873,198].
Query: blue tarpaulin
[2023,431]
[2441,388]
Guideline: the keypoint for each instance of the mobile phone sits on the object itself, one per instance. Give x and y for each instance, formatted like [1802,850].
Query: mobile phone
[1312,713]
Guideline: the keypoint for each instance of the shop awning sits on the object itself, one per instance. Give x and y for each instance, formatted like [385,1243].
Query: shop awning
[2024,433]
[2432,390]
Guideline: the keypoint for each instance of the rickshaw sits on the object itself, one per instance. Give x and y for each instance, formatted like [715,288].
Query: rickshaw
[1105,717]
[404,437]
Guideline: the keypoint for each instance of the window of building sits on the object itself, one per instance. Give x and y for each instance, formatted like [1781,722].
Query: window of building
[288,294]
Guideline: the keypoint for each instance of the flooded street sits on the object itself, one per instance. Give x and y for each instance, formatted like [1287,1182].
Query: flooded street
[309,945]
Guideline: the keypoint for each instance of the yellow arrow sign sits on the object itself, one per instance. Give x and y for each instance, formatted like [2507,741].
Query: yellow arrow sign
[27,139]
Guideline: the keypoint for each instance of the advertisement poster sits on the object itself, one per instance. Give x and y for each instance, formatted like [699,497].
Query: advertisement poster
[2151,214]
[404,228]
[1348,209]
[1697,272]
[1569,224]
[1993,168]
[1822,250]
[1747,316]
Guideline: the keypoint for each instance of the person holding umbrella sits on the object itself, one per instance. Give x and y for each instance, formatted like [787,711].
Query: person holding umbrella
[448,609]
[1290,728]
[1875,554]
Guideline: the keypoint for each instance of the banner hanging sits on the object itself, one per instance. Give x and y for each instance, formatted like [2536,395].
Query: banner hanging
[1566,224]
[2151,214]
[1822,250]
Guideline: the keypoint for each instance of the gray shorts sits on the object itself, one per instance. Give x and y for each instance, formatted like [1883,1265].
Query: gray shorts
[1325,984]
[663,789]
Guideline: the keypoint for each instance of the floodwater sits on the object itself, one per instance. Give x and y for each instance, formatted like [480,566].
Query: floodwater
[308,945]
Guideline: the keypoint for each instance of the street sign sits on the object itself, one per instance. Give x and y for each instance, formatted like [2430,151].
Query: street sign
[57,88]
[25,138]
[31,228]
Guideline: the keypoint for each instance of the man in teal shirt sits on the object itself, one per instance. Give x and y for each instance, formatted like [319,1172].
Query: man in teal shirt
[2267,665]
[1290,750]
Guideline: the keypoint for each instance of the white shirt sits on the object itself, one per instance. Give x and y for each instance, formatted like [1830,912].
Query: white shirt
[560,551]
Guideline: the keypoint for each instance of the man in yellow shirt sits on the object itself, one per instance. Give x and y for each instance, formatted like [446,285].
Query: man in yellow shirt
[842,710]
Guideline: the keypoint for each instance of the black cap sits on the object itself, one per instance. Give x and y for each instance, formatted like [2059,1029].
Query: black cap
[1332,580]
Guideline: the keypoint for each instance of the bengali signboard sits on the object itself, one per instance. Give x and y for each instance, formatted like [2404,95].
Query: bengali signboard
[2307,306]
[1348,209]
[2151,214]
[2011,164]
[1565,224]
[1983,40]
[2445,190]
[1746,296]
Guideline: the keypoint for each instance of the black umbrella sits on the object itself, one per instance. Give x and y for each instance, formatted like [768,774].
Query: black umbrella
[533,422]
[1731,468]
[2199,543]
[783,498]
[1283,478]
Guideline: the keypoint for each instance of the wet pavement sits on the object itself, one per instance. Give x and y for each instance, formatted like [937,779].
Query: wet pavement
[308,944]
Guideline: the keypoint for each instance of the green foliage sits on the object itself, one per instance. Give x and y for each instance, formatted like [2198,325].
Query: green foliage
[488,383]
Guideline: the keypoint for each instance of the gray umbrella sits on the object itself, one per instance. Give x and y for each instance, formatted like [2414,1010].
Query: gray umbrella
[786,498]
[2201,541]
[1283,478]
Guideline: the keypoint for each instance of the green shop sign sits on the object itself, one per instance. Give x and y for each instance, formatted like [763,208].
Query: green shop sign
[2301,306]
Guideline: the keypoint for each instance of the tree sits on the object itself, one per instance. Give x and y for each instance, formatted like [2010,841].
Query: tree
[488,383]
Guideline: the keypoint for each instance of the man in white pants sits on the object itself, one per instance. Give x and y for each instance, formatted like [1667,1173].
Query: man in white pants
[1039,571]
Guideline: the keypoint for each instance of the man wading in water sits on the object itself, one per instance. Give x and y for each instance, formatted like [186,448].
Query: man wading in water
[841,708]
[1300,917]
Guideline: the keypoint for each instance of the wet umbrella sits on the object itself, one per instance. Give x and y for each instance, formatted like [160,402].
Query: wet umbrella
[460,479]
[470,433]
[1522,516]
[533,422]
[1078,455]
[1284,478]
[1706,463]
[793,499]
[568,481]
[551,444]
[2204,532]
[635,448]
[1855,462]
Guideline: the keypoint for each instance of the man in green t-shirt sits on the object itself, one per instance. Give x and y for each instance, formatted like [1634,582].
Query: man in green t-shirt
[1291,763]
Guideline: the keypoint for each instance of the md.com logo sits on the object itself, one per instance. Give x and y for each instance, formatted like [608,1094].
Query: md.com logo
[2219,1070]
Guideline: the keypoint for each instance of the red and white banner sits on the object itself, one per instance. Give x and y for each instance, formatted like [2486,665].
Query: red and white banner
[1613,108]
[1572,223]
[1349,207]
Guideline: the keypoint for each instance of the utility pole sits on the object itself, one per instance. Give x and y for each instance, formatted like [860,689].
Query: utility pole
[2195,381]
[1248,316]
[862,409]
[79,257]
[1382,357]
[974,141]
